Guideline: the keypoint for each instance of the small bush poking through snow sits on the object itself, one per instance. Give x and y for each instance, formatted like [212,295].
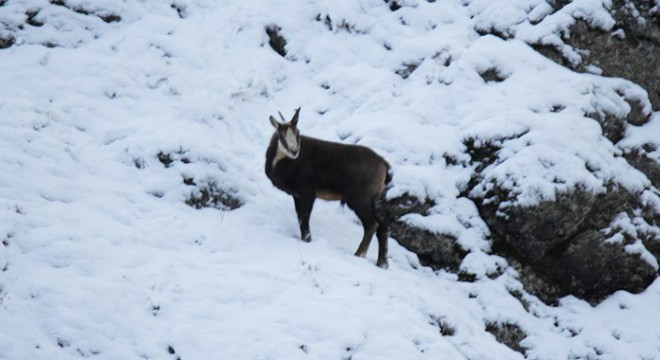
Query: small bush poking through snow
[508,334]
[213,196]
[276,41]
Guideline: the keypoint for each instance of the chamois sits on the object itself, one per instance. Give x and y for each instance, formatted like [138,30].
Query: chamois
[308,168]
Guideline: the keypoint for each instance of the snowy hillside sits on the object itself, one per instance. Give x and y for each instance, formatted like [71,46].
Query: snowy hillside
[114,116]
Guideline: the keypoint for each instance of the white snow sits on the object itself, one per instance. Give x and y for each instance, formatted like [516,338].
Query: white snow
[101,257]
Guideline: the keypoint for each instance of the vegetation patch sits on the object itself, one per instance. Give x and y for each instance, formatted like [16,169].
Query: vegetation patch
[407,69]
[6,41]
[32,18]
[492,75]
[509,334]
[180,10]
[276,41]
[210,195]
[168,159]
[445,328]
[393,5]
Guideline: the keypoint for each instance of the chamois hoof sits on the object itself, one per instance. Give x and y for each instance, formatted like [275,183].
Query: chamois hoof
[306,237]
[361,254]
[383,264]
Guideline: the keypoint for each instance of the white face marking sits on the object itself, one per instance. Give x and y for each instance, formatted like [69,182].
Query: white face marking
[291,142]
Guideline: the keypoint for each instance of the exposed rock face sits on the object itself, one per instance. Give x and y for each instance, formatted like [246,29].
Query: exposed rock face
[439,251]
[534,233]
[564,243]
[592,269]
[581,243]
[558,247]
[629,51]
[561,245]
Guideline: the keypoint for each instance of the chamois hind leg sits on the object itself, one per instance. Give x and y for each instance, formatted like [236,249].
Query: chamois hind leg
[369,230]
[382,234]
[366,216]
[304,205]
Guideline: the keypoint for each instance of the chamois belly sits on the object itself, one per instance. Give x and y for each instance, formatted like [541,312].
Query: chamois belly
[328,195]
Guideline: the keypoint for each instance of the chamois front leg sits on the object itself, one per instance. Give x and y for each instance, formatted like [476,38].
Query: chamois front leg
[304,204]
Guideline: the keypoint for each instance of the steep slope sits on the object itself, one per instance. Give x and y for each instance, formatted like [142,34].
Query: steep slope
[114,116]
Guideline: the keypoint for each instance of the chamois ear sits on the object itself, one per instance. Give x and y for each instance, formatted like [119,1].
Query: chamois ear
[294,120]
[274,122]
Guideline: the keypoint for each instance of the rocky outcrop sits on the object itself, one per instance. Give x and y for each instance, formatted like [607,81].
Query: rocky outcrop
[437,250]
[585,243]
[560,247]
[565,243]
[630,50]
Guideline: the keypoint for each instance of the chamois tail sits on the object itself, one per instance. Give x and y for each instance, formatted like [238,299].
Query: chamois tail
[384,213]
[388,176]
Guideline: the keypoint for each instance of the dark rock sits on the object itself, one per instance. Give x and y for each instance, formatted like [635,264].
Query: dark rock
[532,233]
[591,269]
[637,115]
[630,51]
[6,41]
[439,251]
[559,246]
[391,210]
[394,5]
[634,57]
[535,284]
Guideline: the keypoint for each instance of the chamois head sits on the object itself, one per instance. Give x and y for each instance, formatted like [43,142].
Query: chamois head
[288,135]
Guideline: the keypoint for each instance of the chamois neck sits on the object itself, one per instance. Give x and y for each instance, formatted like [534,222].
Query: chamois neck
[279,152]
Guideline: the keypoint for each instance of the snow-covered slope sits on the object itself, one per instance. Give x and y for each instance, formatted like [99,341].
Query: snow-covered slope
[102,258]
